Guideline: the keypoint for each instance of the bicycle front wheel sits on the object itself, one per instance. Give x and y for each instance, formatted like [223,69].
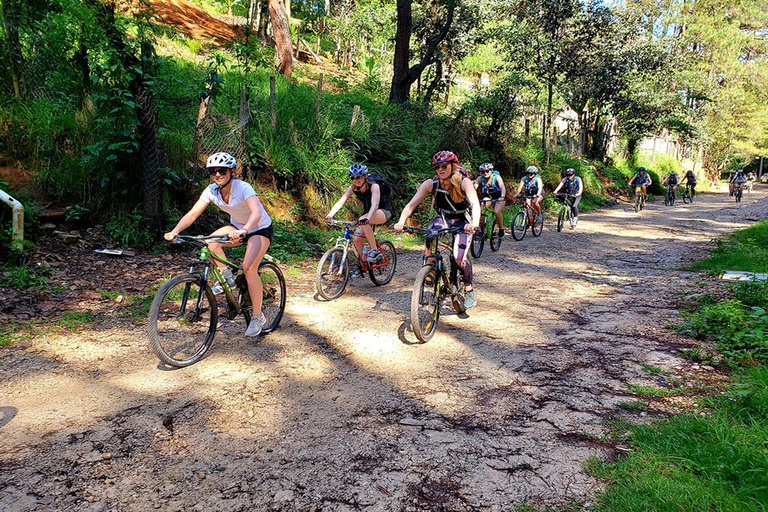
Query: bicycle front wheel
[425,303]
[381,273]
[561,219]
[518,226]
[538,224]
[478,240]
[332,275]
[182,320]
[273,298]
[495,241]
[686,197]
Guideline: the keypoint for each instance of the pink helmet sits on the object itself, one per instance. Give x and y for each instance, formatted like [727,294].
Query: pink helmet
[444,156]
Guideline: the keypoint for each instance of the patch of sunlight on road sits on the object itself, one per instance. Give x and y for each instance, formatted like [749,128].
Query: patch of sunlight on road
[310,367]
[373,344]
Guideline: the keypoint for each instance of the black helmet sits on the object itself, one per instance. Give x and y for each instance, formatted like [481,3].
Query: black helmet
[570,172]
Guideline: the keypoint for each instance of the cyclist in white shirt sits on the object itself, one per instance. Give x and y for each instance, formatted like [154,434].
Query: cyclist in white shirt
[249,224]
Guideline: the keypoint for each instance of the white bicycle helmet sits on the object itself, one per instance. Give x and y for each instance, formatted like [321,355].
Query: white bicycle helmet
[221,160]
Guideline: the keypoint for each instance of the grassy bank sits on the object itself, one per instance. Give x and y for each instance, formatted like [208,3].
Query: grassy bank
[715,459]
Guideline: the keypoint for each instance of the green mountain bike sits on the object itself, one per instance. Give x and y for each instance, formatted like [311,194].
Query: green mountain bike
[184,315]
[487,230]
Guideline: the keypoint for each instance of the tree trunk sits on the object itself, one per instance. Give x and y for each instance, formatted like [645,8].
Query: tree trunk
[404,76]
[435,82]
[263,20]
[548,122]
[400,89]
[11,14]
[282,34]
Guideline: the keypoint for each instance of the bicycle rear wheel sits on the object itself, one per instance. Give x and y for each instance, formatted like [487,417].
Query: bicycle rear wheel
[425,303]
[518,226]
[538,224]
[381,273]
[478,240]
[332,276]
[273,298]
[495,241]
[180,331]
[561,219]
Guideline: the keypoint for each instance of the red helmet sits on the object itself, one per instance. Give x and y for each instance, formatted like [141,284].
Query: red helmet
[444,156]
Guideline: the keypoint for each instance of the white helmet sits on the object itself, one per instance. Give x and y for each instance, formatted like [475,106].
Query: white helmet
[221,160]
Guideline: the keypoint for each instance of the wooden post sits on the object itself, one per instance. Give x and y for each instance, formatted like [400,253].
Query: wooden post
[318,99]
[355,116]
[272,102]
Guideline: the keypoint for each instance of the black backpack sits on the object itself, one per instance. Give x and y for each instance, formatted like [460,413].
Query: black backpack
[385,189]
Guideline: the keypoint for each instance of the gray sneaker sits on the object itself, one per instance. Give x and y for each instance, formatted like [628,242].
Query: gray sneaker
[373,256]
[254,328]
[469,299]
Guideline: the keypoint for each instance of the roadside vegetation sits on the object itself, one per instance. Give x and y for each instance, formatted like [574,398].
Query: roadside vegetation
[712,458]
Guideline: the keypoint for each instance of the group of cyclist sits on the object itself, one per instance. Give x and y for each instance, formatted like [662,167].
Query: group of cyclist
[641,180]
[739,179]
[455,198]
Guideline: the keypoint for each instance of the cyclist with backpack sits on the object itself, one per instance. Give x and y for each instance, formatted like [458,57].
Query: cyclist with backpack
[641,180]
[376,195]
[455,200]
[738,177]
[690,179]
[671,182]
[533,186]
[249,224]
[572,185]
[491,187]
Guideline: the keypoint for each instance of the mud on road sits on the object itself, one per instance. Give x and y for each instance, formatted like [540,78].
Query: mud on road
[341,409]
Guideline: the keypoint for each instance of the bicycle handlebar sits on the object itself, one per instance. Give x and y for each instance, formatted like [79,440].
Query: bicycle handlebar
[526,197]
[347,223]
[202,240]
[433,232]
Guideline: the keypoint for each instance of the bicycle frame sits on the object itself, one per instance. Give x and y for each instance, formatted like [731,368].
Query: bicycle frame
[488,215]
[344,242]
[208,259]
[437,262]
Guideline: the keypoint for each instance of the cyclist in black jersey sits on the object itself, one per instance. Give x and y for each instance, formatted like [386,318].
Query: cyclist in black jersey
[533,186]
[376,195]
[455,199]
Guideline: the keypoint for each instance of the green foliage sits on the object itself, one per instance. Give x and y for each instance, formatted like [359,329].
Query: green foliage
[724,320]
[692,462]
[129,229]
[293,243]
[21,277]
[745,250]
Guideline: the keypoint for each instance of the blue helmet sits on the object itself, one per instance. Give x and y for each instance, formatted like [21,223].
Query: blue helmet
[641,169]
[357,170]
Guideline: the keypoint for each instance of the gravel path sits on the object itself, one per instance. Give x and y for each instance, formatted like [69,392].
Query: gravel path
[341,409]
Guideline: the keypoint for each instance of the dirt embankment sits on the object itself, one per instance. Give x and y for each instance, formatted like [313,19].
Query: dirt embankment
[340,409]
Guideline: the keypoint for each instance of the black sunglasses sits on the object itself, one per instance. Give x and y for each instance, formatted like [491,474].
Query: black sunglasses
[220,172]
[442,166]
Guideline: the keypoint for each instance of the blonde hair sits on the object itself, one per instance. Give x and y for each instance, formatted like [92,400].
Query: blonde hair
[454,185]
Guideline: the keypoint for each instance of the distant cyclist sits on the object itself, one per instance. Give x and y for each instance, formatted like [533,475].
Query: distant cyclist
[455,200]
[690,180]
[641,180]
[672,182]
[750,180]
[376,195]
[738,178]
[532,185]
[572,185]
[490,186]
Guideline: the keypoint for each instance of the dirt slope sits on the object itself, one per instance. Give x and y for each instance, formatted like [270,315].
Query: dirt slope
[513,399]
[191,20]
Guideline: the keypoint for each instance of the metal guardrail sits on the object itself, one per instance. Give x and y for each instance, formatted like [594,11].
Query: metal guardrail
[18,216]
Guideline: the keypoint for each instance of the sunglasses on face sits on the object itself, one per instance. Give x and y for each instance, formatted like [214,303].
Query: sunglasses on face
[442,166]
[220,172]
[486,172]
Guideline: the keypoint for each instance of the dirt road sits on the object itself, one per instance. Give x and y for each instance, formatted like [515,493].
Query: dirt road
[340,410]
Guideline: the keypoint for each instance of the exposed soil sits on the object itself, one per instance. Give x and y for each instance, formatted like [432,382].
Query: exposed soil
[190,20]
[340,409]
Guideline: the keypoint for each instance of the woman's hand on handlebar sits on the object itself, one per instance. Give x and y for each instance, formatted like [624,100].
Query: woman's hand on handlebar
[169,236]
[399,227]
[469,228]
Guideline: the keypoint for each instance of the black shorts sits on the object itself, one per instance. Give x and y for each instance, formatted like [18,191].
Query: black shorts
[266,232]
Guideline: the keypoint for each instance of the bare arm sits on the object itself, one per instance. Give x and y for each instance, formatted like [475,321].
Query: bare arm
[471,193]
[343,199]
[503,188]
[187,220]
[581,186]
[253,218]
[375,198]
[559,186]
[420,194]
